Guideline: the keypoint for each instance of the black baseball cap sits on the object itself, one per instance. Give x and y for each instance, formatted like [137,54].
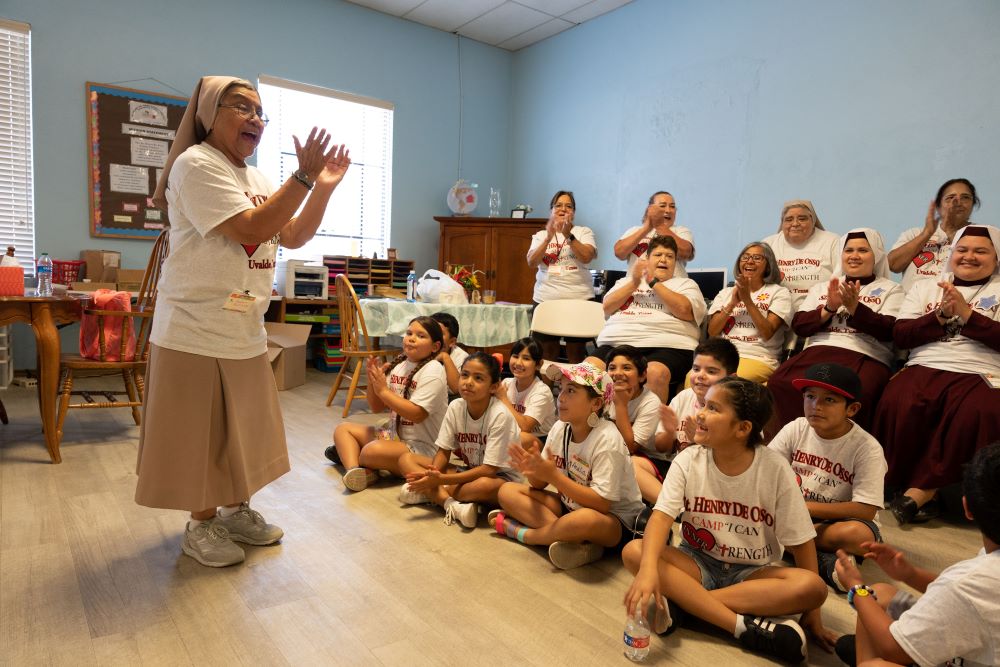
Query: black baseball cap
[834,377]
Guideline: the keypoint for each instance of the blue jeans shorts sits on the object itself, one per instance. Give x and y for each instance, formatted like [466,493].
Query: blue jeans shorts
[872,526]
[716,573]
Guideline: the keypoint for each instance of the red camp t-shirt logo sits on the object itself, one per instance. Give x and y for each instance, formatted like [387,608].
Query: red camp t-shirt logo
[628,302]
[549,259]
[699,538]
[250,249]
[923,258]
[730,323]
[640,249]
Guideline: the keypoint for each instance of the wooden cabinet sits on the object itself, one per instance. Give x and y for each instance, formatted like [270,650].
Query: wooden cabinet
[496,246]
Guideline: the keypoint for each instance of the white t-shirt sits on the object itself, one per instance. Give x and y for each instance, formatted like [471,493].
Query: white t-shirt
[929,262]
[600,462]
[482,441]
[686,405]
[640,249]
[560,274]
[644,320]
[802,267]
[644,415]
[458,356]
[957,621]
[958,354]
[746,519]
[850,468]
[204,267]
[536,402]
[429,390]
[881,295]
[742,332]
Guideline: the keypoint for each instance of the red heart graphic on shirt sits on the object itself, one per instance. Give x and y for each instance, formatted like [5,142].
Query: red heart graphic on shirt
[730,323]
[798,480]
[549,259]
[923,258]
[640,249]
[628,302]
[699,538]
[250,249]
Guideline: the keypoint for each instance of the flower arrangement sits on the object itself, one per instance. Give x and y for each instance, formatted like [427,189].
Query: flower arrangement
[524,207]
[465,277]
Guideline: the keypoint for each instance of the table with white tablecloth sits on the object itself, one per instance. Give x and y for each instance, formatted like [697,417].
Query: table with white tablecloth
[480,325]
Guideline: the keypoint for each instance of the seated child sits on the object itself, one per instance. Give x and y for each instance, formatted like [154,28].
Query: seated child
[596,500]
[452,355]
[713,360]
[740,508]
[477,429]
[839,466]
[957,619]
[416,395]
[526,396]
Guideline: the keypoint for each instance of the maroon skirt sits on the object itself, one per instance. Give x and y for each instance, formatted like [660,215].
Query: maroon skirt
[931,422]
[788,400]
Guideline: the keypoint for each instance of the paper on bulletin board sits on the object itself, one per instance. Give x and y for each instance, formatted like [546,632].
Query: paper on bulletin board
[149,152]
[152,132]
[128,178]
[145,112]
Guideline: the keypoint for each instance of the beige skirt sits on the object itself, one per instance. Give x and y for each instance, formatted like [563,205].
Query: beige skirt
[211,433]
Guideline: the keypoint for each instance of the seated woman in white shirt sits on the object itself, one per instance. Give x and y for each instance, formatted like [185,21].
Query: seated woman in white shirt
[657,312]
[806,252]
[944,405]
[753,314]
[562,253]
[848,321]
[920,252]
[658,220]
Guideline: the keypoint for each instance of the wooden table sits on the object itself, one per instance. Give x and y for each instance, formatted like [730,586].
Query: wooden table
[43,313]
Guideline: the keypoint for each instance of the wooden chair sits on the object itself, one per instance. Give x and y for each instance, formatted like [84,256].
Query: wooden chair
[139,320]
[353,332]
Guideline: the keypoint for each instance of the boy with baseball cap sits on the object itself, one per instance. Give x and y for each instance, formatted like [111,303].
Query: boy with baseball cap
[839,466]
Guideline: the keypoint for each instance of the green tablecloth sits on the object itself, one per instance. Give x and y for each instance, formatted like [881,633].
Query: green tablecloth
[480,325]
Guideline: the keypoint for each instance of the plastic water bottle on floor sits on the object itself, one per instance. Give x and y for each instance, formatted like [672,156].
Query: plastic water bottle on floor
[411,286]
[636,637]
[43,272]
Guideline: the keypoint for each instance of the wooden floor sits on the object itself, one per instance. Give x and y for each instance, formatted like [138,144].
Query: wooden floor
[87,577]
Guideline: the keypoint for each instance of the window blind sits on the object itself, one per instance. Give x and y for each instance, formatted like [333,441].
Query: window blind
[17,215]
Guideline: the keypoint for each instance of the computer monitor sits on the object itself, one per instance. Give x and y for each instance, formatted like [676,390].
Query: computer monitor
[710,281]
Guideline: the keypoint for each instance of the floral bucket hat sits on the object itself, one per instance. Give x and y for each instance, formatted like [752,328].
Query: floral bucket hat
[587,375]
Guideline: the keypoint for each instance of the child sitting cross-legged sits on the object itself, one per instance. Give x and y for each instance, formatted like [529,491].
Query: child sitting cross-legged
[957,619]
[838,465]
[478,429]
[740,509]
[596,499]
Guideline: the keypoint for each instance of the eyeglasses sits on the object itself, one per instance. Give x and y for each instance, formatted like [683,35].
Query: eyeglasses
[246,112]
[964,198]
[752,258]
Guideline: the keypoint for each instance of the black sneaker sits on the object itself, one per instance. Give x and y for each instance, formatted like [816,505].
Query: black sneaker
[847,650]
[331,453]
[782,638]
[904,509]
[828,570]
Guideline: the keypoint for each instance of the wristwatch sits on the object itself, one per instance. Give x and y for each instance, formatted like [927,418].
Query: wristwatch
[303,178]
[571,238]
[826,307]
[860,591]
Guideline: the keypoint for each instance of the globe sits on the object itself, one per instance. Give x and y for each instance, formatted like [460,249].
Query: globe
[462,198]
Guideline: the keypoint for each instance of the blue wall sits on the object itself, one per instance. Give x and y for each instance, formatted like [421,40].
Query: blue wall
[324,42]
[863,107]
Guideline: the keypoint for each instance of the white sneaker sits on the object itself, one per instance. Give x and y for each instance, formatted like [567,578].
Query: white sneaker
[466,514]
[569,555]
[248,526]
[209,544]
[659,620]
[359,479]
[409,497]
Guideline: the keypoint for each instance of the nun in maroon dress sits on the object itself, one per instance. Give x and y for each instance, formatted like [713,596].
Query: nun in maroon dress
[945,405]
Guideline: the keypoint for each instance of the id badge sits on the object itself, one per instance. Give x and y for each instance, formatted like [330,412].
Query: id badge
[239,302]
[555,269]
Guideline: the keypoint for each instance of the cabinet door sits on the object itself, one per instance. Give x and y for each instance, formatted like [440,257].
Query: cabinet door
[466,245]
[512,278]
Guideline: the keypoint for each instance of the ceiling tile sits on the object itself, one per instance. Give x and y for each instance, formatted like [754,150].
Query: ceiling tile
[554,7]
[502,23]
[394,7]
[450,15]
[593,10]
[536,34]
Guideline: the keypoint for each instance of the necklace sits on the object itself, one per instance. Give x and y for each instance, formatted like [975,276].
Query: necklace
[482,424]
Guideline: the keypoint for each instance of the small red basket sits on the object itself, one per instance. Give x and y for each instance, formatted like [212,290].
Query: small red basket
[66,271]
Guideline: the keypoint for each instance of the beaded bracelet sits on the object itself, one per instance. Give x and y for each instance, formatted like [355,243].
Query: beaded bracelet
[860,590]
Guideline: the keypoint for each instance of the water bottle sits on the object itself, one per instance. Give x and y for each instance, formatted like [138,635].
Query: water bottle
[636,637]
[43,271]
[411,286]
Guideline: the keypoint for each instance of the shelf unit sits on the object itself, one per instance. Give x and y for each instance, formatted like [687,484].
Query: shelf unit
[362,272]
[6,358]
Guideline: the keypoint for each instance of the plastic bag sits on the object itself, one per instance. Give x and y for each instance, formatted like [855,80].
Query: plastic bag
[105,299]
[438,287]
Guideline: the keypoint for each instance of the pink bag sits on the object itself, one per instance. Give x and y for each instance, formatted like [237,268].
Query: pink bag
[106,299]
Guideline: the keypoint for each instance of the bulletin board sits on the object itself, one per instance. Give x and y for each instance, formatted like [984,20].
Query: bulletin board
[129,136]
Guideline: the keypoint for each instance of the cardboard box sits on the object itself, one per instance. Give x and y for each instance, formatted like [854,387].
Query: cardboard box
[102,265]
[90,287]
[286,350]
[130,280]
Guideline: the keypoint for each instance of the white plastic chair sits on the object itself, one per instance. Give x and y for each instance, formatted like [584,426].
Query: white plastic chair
[568,317]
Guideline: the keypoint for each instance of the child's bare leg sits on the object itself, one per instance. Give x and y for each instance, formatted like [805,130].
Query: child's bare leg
[532,507]
[382,455]
[645,475]
[774,591]
[864,645]
[658,379]
[482,490]
[846,535]
[349,439]
[582,525]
